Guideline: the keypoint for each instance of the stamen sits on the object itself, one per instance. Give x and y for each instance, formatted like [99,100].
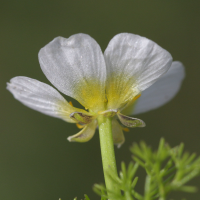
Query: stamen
[70,103]
[136,97]
[126,129]
[80,126]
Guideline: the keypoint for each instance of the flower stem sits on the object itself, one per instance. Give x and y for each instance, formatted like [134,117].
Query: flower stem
[107,151]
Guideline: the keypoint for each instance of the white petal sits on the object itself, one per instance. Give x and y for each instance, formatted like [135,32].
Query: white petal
[162,91]
[133,64]
[41,97]
[76,67]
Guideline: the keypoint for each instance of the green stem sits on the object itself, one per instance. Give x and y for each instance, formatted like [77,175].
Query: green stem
[107,151]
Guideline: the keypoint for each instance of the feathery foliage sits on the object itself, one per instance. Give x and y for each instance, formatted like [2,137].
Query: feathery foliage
[167,169]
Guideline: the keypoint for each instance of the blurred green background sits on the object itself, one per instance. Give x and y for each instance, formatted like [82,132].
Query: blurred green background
[36,160]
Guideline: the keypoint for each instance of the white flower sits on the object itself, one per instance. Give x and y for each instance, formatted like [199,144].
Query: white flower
[105,84]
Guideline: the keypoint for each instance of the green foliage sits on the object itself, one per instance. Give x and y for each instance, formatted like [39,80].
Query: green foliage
[168,169]
[126,182]
[86,198]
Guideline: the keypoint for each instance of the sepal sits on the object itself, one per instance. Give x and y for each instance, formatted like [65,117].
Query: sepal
[108,113]
[83,118]
[85,134]
[130,121]
[118,135]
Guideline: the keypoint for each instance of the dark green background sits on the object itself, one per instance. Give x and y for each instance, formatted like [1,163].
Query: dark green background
[36,161]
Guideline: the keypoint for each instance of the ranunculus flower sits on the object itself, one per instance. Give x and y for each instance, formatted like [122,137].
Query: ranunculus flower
[106,84]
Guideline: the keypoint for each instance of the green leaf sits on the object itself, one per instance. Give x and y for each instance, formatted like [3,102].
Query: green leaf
[86,197]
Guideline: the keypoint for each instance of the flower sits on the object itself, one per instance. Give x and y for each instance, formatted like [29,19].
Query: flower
[108,84]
